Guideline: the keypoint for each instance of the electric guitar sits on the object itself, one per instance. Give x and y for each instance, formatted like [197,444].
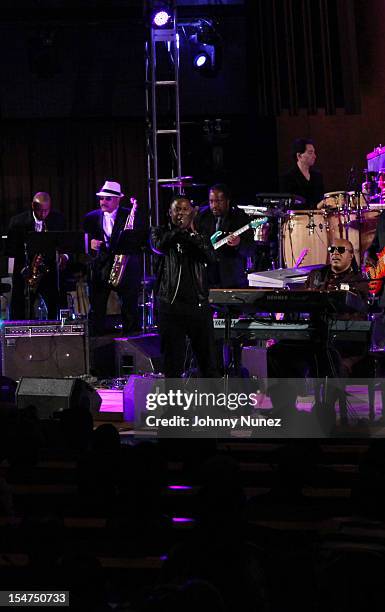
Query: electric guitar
[376,274]
[218,242]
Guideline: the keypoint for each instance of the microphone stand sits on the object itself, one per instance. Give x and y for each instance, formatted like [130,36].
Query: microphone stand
[27,288]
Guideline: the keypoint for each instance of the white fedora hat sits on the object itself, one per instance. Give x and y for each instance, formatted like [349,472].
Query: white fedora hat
[110,188]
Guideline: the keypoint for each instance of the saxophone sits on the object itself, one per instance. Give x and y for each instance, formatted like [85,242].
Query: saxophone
[120,261]
[36,270]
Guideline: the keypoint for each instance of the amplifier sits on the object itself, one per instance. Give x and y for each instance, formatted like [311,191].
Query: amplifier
[44,349]
[12,329]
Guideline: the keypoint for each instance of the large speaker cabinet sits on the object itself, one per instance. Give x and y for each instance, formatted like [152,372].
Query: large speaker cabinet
[43,348]
[54,395]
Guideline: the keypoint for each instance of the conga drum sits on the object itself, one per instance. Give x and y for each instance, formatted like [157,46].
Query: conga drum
[305,232]
[336,200]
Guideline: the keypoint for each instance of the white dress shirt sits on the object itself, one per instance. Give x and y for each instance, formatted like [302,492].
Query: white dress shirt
[39,225]
[108,223]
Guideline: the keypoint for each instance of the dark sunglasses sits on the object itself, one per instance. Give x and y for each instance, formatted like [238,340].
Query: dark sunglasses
[340,249]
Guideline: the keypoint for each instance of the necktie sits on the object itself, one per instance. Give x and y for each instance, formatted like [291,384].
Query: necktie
[218,226]
[108,226]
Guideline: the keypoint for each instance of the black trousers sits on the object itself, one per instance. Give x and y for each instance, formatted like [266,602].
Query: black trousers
[179,322]
[128,292]
[128,297]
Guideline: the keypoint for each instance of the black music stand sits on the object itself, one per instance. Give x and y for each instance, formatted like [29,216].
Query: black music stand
[52,244]
[130,242]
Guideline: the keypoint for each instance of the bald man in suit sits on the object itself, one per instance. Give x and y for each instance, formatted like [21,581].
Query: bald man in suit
[39,218]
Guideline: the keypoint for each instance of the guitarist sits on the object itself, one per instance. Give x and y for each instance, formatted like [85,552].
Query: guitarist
[229,269]
[104,227]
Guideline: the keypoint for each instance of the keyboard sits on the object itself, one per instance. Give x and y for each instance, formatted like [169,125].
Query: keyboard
[283,300]
[286,330]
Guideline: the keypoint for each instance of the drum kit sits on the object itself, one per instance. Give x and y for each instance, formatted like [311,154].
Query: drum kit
[304,235]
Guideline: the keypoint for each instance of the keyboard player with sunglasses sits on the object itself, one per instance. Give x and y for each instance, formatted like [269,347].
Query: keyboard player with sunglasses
[342,270]
[322,357]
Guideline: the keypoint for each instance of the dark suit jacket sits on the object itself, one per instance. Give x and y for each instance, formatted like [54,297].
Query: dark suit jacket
[19,227]
[229,269]
[120,242]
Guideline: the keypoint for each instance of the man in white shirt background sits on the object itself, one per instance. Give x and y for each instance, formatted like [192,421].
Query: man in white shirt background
[105,229]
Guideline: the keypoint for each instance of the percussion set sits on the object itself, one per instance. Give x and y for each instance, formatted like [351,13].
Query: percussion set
[304,235]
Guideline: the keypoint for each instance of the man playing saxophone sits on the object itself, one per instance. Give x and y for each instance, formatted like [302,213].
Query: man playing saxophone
[115,264]
[34,274]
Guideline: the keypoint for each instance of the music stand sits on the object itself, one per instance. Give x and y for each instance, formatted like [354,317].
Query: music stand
[130,242]
[52,244]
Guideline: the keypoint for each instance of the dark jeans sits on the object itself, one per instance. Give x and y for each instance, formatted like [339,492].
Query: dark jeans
[178,322]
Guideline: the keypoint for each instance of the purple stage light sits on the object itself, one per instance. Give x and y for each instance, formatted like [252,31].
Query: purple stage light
[200,60]
[161,18]
[180,487]
[182,519]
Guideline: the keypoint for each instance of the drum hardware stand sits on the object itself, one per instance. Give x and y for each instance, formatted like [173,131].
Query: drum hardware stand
[357,195]
[311,226]
[280,243]
[281,201]
[326,223]
[27,289]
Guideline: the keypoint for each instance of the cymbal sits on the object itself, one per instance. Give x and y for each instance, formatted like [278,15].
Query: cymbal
[253,211]
[183,181]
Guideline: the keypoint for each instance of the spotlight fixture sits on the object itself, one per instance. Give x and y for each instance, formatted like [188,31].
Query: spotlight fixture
[201,59]
[206,48]
[162,19]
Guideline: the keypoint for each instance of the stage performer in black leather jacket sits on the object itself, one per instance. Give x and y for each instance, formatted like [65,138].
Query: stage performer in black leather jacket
[182,291]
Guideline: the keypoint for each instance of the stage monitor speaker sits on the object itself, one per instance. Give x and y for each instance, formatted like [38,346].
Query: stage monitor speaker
[43,348]
[134,395]
[102,356]
[54,395]
[138,355]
